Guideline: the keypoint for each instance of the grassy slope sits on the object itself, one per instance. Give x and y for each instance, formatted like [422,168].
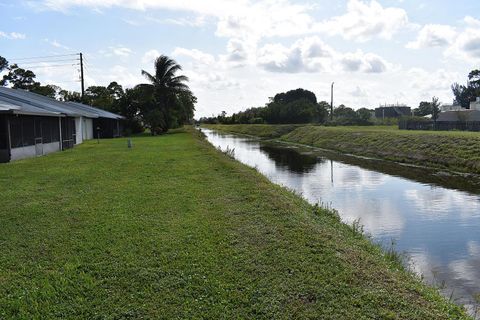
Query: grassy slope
[258,130]
[174,229]
[458,151]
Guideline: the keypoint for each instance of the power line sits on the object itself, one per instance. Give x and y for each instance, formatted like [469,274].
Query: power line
[54,65]
[48,61]
[45,57]
[51,61]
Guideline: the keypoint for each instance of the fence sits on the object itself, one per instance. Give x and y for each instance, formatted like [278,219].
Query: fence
[439,125]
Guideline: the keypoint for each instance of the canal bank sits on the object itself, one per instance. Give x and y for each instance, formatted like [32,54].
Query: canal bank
[431,219]
[453,151]
[172,228]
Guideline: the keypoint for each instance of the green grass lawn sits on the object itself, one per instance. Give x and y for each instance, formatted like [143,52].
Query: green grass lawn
[175,229]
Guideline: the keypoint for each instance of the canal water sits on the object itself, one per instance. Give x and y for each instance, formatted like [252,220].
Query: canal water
[430,217]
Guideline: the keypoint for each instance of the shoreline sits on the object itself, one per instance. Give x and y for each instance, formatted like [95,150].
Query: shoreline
[348,141]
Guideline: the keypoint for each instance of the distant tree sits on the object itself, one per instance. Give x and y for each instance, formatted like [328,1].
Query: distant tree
[48,90]
[424,109]
[99,96]
[65,95]
[115,90]
[344,112]
[466,94]
[463,95]
[474,79]
[294,95]
[323,108]
[184,109]
[163,90]
[364,115]
[19,78]
[128,106]
[3,63]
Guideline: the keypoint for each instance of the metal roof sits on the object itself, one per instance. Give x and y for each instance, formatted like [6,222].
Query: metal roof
[44,103]
[101,113]
[15,107]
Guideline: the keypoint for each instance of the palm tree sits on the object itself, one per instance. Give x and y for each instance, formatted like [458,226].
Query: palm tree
[163,91]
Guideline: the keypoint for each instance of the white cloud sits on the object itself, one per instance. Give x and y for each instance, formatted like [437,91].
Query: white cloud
[150,56]
[363,62]
[433,35]
[366,20]
[238,51]
[56,44]
[427,84]
[121,51]
[472,22]
[305,55]
[311,54]
[459,43]
[12,35]
[467,45]
[188,22]
[359,92]
[195,54]
[244,19]
[122,75]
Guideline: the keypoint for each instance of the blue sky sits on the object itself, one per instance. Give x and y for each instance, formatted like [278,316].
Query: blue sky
[238,53]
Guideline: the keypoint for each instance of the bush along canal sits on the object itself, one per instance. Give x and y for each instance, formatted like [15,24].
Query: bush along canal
[431,221]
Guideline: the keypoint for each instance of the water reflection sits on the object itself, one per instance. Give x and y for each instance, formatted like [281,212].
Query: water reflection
[290,158]
[436,225]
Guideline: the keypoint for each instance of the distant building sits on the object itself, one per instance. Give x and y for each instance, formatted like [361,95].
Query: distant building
[451,107]
[475,105]
[463,115]
[392,111]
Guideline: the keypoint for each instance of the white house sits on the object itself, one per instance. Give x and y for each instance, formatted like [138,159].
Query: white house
[32,124]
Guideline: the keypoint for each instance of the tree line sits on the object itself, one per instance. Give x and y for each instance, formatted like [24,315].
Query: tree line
[301,106]
[164,102]
[295,106]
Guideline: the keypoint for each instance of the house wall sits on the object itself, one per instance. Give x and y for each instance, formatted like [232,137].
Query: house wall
[30,151]
[87,128]
[78,130]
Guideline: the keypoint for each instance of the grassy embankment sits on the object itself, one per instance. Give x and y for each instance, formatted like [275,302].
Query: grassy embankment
[175,229]
[452,150]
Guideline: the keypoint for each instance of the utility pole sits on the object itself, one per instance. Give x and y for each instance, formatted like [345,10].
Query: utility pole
[81,74]
[331,103]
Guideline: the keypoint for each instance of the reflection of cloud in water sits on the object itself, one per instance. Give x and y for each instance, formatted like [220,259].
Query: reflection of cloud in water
[347,177]
[461,277]
[378,217]
[437,203]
